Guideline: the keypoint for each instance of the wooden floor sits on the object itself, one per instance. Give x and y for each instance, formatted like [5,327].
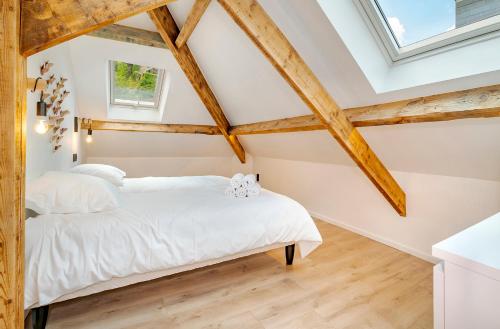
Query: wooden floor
[349,282]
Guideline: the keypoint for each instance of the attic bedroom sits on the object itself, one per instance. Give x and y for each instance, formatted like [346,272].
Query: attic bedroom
[250,164]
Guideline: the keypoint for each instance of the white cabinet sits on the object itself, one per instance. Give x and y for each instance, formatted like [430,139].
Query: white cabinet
[467,281]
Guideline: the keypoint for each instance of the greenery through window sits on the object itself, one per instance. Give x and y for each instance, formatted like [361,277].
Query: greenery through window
[135,85]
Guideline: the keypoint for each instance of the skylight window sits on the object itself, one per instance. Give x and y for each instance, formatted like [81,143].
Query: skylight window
[135,85]
[408,28]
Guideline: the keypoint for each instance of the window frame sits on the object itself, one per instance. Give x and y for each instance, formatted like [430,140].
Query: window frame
[472,33]
[157,94]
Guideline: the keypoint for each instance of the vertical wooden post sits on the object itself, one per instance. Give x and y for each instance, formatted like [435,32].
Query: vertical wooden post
[12,164]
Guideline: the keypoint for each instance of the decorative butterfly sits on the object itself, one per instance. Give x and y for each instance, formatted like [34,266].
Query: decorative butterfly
[64,94]
[51,80]
[45,67]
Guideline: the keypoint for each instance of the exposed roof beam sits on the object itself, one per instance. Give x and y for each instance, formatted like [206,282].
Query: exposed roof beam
[169,32]
[46,23]
[252,18]
[294,124]
[466,104]
[151,127]
[131,35]
[472,103]
[192,20]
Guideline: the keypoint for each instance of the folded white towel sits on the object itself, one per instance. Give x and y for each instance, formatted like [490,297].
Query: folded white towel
[237,180]
[241,192]
[249,180]
[254,190]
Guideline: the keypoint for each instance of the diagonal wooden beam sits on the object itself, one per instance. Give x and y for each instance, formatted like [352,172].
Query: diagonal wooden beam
[169,32]
[252,18]
[46,23]
[130,35]
[481,102]
[192,20]
[151,127]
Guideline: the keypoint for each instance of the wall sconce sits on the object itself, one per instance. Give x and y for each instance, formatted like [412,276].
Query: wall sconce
[89,133]
[75,139]
[41,125]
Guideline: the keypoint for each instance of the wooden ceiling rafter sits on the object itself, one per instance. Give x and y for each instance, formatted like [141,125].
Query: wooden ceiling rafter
[169,31]
[198,9]
[131,35]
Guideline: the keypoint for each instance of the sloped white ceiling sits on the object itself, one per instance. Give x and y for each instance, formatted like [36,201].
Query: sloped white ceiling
[250,90]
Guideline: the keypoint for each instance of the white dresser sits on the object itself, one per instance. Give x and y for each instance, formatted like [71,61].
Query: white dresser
[467,280]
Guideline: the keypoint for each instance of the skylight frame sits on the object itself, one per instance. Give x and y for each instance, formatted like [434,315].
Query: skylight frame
[475,32]
[157,93]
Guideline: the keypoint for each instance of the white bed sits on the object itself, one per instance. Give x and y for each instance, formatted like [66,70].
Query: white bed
[165,225]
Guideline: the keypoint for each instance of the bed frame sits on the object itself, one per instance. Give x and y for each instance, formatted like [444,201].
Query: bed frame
[39,314]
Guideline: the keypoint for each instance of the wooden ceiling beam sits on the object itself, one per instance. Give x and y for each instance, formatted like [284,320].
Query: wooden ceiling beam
[131,35]
[465,104]
[294,124]
[46,23]
[472,103]
[169,32]
[151,127]
[261,29]
[192,20]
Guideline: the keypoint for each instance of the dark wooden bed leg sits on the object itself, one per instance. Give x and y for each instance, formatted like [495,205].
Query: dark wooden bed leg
[39,317]
[289,252]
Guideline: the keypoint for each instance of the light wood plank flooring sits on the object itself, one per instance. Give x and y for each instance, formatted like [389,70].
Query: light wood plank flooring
[349,282]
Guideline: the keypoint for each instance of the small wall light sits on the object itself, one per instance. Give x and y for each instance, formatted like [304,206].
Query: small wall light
[41,125]
[89,133]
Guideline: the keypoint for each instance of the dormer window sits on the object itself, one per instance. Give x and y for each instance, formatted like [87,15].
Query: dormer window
[135,86]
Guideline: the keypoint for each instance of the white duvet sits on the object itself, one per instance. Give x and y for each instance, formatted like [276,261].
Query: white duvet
[163,222]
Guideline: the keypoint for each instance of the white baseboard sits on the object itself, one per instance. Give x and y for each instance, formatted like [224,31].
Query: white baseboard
[412,251]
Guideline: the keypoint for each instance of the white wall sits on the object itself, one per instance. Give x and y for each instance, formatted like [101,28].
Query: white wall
[438,206]
[179,166]
[40,156]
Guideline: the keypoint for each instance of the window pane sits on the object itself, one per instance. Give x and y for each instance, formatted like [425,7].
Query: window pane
[413,21]
[135,85]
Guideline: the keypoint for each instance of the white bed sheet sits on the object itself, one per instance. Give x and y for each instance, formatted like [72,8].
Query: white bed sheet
[164,222]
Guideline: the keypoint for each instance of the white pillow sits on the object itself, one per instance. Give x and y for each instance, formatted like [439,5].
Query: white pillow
[109,173]
[64,193]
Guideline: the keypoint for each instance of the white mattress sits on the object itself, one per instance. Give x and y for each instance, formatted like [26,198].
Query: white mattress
[164,222]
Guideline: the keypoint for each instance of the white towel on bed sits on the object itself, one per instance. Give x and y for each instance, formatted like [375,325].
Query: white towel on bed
[254,190]
[241,192]
[237,180]
[243,186]
[249,180]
